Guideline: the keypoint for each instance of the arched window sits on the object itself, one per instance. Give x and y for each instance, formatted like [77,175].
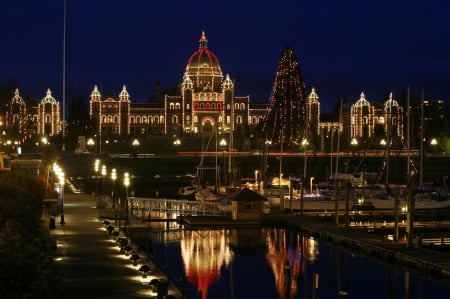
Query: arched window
[219,106]
[144,119]
[242,106]
[213,106]
[239,119]
[161,119]
[103,119]
[228,106]
[116,119]
[171,106]
[109,119]
[132,120]
[48,118]
[156,119]
[175,119]
[195,119]
[188,106]
[236,106]
[177,106]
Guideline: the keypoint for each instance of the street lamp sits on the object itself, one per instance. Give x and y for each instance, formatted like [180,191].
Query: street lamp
[90,143]
[135,144]
[113,178]
[311,185]
[60,174]
[433,144]
[305,146]
[96,169]
[354,143]
[126,183]
[223,145]
[103,178]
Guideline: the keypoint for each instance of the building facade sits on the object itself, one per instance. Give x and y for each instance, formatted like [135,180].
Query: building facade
[206,103]
[22,121]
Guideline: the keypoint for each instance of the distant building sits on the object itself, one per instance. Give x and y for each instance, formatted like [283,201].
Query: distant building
[206,103]
[23,121]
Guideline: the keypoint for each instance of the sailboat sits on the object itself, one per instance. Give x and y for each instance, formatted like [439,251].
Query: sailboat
[424,198]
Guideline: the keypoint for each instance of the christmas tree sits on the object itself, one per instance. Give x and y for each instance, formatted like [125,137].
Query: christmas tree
[285,116]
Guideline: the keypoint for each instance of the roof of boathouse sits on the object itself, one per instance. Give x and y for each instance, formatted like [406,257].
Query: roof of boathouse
[246,194]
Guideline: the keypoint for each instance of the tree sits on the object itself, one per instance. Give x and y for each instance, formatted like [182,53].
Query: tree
[21,199]
[285,117]
[26,270]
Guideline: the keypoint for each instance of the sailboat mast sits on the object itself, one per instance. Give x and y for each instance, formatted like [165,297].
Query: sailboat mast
[421,142]
[338,137]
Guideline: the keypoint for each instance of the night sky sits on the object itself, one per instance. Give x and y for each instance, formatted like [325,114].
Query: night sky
[343,47]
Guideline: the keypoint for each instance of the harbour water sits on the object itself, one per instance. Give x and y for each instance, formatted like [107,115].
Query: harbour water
[278,263]
[274,263]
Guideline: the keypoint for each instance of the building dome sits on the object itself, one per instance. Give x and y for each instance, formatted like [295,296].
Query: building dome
[17,99]
[203,68]
[49,99]
[362,102]
[391,102]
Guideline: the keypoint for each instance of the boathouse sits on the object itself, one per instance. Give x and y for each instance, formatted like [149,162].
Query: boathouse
[247,205]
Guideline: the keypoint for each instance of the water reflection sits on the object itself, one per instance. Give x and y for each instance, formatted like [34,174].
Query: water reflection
[279,263]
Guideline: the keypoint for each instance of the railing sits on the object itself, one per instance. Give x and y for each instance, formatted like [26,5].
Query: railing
[178,207]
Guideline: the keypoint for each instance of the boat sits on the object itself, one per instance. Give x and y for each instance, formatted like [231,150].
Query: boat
[421,202]
[322,202]
[187,192]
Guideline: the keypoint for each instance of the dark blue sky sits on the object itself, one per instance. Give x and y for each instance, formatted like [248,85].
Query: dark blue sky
[343,47]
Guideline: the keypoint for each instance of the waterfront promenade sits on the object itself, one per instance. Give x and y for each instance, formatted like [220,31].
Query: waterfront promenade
[90,261]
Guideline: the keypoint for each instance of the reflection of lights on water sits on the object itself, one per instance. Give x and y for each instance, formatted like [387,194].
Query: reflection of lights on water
[286,260]
[204,252]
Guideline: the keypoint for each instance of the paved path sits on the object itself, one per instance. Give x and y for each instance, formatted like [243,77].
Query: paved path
[90,260]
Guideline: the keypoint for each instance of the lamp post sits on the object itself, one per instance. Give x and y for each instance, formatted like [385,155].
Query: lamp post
[354,143]
[311,185]
[90,143]
[113,178]
[305,146]
[126,183]
[267,143]
[96,169]
[135,144]
[103,178]
[60,174]
[176,143]
[223,145]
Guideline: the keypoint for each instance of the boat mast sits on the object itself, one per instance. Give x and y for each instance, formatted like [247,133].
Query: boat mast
[421,142]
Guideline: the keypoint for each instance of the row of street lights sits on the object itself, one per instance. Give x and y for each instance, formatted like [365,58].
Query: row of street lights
[114,176]
[59,186]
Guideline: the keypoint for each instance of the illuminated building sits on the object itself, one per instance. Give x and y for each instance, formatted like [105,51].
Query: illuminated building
[23,121]
[206,103]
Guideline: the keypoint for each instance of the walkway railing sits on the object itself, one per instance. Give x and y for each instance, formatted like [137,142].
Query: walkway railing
[179,207]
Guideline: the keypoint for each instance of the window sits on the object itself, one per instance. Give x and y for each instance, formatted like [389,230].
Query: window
[242,106]
[171,106]
[239,119]
[175,119]
[188,106]
[177,106]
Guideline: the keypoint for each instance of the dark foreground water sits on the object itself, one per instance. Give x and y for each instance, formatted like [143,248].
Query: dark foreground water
[276,263]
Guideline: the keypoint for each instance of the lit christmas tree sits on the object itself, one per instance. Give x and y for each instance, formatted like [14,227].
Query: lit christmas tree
[285,117]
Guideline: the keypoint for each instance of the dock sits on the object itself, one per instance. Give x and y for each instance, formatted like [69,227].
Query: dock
[421,259]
